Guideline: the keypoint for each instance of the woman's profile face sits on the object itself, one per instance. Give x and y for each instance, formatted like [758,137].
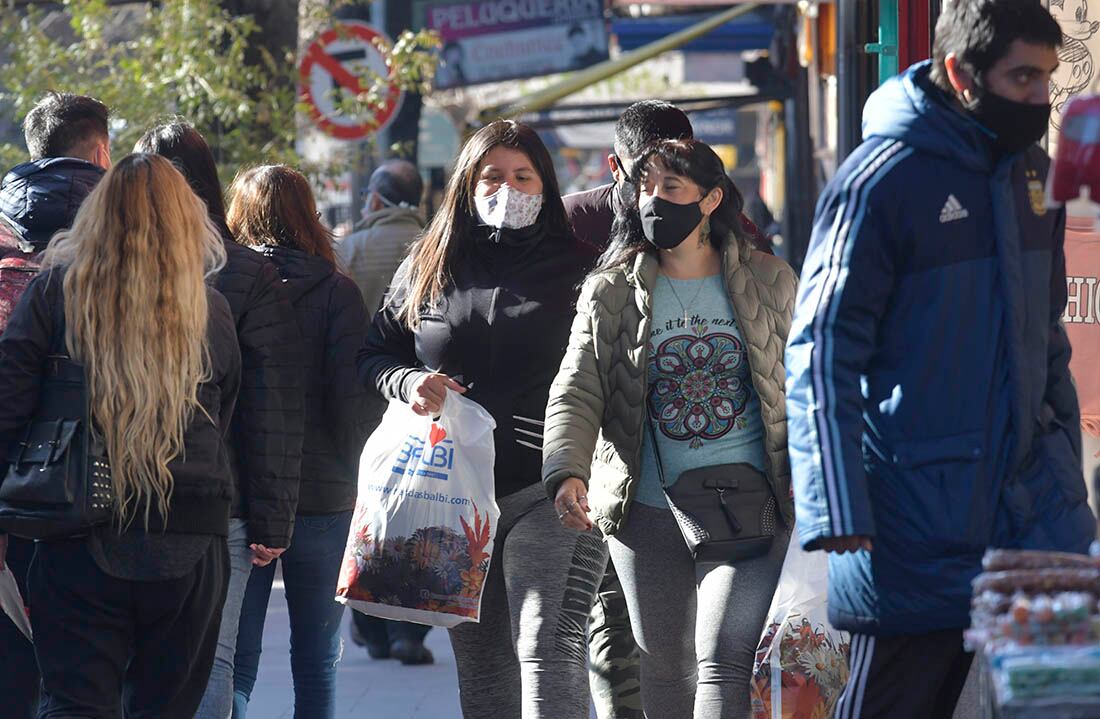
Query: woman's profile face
[659,181]
[506,166]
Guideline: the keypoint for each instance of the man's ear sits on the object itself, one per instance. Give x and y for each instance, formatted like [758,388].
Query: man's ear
[964,84]
[616,173]
[102,155]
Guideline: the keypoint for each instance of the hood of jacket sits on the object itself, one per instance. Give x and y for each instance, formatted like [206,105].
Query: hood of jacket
[40,197]
[392,216]
[911,109]
[299,271]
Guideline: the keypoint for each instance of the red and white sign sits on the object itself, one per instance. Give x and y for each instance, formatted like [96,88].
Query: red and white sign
[333,67]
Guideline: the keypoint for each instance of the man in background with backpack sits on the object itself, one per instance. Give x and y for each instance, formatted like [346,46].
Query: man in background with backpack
[69,144]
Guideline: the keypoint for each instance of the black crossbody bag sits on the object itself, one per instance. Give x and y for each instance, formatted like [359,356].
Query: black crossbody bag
[726,512]
[57,481]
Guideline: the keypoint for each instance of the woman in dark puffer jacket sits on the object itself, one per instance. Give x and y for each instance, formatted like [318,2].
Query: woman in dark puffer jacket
[273,211]
[266,432]
[129,615]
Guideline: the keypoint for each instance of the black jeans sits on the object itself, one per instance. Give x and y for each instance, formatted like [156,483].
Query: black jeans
[19,678]
[103,642]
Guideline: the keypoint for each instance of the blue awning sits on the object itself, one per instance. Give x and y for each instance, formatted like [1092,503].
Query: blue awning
[752,31]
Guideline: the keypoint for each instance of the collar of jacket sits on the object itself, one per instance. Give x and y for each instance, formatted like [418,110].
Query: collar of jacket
[643,273]
[522,237]
[392,216]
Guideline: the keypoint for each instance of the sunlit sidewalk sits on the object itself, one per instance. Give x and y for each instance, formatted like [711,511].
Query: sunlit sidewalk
[369,689]
[365,688]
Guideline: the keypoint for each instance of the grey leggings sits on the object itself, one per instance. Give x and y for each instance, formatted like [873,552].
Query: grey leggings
[697,626]
[527,658]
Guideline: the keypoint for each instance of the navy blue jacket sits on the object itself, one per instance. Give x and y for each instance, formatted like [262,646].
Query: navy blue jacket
[40,197]
[929,399]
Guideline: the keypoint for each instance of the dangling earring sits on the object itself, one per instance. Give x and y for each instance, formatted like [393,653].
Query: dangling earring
[704,232]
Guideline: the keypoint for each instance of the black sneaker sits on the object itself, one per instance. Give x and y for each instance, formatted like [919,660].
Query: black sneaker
[376,650]
[411,653]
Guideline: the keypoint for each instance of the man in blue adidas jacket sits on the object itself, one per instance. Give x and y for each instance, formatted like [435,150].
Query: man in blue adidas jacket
[930,405]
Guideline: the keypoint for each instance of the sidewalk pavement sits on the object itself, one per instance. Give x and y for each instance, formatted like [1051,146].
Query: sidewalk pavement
[365,688]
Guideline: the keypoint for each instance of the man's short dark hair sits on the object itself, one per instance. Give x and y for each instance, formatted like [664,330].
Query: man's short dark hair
[979,33]
[65,125]
[648,121]
[398,182]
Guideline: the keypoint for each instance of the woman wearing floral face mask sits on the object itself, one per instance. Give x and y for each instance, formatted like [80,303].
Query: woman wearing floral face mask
[483,306]
[675,368]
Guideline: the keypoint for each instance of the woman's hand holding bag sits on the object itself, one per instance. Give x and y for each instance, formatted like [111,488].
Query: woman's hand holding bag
[429,391]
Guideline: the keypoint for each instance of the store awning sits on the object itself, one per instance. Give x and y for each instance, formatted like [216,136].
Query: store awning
[752,31]
[697,3]
[577,81]
[608,112]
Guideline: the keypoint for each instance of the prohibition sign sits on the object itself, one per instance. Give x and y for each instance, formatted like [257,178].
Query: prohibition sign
[332,67]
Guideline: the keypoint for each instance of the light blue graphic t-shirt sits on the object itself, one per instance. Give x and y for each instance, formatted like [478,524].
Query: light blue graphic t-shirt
[701,404]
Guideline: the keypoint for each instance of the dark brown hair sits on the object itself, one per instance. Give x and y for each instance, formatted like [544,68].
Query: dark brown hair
[186,148]
[695,161]
[62,124]
[431,256]
[273,205]
[980,32]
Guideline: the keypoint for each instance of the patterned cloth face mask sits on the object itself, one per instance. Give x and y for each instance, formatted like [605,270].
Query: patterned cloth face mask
[509,208]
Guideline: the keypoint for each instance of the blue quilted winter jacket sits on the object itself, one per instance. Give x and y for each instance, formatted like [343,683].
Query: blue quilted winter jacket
[40,197]
[929,399]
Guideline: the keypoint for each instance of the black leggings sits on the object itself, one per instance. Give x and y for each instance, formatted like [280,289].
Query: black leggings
[104,642]
[19,678]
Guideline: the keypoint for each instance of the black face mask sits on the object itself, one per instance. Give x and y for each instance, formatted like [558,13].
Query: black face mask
[1017,125]
[666,224]
[626,189]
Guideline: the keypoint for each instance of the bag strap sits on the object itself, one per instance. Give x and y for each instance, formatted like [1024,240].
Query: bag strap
[656,449]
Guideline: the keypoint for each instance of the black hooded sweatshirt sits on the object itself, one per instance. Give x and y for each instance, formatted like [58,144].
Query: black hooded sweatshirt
[501,330]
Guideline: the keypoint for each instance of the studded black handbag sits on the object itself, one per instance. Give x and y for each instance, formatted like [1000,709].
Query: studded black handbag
[57,480]
[726,512]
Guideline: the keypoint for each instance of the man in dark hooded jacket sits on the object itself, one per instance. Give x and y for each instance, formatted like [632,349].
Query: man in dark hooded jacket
[930,406]
[69,145]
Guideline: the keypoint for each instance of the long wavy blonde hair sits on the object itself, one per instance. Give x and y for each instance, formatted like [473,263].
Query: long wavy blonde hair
[138,255]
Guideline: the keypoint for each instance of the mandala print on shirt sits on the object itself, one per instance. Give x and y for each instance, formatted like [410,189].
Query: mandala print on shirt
[698,393]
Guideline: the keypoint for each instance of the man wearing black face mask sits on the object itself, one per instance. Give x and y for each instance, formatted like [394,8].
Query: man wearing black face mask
[931,410]
[591,212]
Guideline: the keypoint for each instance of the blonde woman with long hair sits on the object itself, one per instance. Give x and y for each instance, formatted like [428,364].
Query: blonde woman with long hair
[129,614]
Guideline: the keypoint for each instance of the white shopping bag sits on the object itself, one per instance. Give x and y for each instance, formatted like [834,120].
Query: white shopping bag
[801,662]
[423,529]
[12,602]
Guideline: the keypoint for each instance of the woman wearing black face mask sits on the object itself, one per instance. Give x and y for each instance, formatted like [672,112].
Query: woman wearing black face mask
[675,365]
[483,306]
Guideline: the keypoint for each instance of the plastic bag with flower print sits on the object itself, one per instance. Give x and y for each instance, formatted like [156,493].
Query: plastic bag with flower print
[422,534]
[801,662]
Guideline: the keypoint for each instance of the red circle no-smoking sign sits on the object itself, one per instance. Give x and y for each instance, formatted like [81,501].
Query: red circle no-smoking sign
[333,67]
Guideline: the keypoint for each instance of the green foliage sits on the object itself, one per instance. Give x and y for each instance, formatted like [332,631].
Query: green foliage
[178,57]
